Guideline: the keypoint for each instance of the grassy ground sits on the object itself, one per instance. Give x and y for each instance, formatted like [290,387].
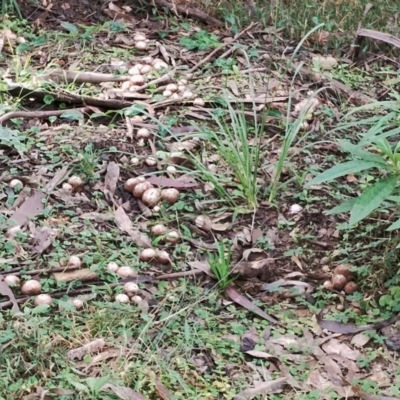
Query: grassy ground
[192,336]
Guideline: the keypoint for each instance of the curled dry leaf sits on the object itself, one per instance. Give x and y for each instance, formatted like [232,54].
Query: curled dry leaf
[89,348]
[125,224]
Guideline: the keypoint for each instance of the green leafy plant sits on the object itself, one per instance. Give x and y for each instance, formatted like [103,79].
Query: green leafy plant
[374,151]
[220,265]
[201,40]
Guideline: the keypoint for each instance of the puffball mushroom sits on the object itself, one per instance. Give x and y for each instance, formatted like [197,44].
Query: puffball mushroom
[130,184]
[126,272]
[77,303]
[350,287]
[170,195]
[140,188]
[15,183]
[74,261]
[151,161]
[12,280]
[130,287]
[156,209]
[147,60]
[136,118]
[182,82]
[295,209]
[167,93]
[122,298]
[187,94]
[141,45]
[31,287]
[134,161]
[181,88]
[172,236]
[159,64]
[67,187]
[43,299]
[171,169]
[75,181]
[162,257]
[151,197]
[328,285]
[146,69]
[172,87]
[158,229]
[343,269]
[199,102]
[126,85]
[137,80]
[112,267]
[136,299]
[143,133]
[339,281]
[139,37]
[147,254]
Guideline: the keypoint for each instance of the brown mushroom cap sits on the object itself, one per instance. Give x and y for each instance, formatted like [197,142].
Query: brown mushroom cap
[339,281]
[350,287]
[343,269]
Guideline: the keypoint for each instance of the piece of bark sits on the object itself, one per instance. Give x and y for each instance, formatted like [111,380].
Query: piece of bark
[260,269]
[83,275]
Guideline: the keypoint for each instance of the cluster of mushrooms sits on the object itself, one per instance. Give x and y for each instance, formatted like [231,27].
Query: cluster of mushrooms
[147,69]
[342,279]
[148,194]
[32,287]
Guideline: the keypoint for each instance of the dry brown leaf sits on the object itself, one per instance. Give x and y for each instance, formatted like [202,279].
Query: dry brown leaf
[112,176]
[262,388]
[43,238]
[333,346]
[238,298]
[188,145]
[57,178]
[124,393]
[89,348]
[30,208]
[125,224]
[171,183]
[98,217]
[360,339]
[7,292]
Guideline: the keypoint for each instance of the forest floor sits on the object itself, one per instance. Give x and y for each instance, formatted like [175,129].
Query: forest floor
[233,296]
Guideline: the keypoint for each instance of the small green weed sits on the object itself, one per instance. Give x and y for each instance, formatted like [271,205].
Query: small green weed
[220,265]
[201,40]
[374,151]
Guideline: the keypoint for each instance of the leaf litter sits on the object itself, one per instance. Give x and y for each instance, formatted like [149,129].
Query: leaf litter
[268,254]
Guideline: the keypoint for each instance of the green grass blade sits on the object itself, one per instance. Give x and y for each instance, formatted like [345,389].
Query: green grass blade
[372,198]
[357,151]
[346,168]
[394,226]
[342,208]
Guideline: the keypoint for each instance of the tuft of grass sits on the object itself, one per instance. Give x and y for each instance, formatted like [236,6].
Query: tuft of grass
[220,265]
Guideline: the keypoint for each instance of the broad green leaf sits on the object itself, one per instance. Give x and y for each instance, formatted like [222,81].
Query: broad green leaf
[346,168]
[357,151]
[372,198]
[395,225]
[71,28]
[342,208]
[72,115]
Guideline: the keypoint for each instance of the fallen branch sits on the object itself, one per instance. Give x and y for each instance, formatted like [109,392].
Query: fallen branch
[63,76]
[39,114]
[190,12]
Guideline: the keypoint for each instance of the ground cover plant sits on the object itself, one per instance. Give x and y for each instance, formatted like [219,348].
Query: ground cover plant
[199,201]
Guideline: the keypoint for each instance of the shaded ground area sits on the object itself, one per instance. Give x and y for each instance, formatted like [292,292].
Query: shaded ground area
[220,279]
